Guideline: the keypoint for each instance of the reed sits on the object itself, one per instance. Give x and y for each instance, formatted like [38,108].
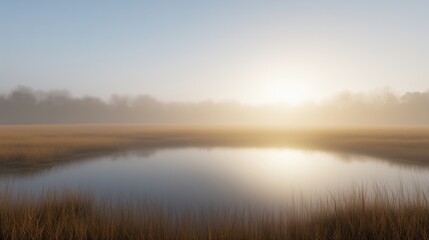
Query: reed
[386,214]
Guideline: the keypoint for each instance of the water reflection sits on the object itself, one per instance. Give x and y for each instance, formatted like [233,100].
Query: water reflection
[232,176]
[11,168]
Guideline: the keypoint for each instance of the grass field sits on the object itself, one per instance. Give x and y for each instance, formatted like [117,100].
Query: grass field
[387,214]
[66,215]
[26,149]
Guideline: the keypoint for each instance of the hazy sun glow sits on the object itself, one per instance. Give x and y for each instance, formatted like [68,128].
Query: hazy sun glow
[292,93]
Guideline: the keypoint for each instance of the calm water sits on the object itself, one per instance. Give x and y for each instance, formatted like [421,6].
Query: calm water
[219,175]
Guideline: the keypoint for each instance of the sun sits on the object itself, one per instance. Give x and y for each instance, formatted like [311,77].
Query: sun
[292,93]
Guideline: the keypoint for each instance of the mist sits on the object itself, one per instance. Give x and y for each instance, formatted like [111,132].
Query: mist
[24,105]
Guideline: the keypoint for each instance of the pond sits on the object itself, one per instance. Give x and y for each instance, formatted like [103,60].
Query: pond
[220,176]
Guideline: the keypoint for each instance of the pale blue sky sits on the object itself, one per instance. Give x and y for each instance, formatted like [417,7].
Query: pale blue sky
[251,51]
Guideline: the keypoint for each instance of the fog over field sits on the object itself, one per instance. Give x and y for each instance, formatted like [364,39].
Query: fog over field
[24,105]
[221,120]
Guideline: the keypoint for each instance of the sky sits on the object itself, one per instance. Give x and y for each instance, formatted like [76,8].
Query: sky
[247,51]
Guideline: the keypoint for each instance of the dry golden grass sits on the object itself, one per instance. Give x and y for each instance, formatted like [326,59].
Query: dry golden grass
[351,216]
[384,214]
[31,148]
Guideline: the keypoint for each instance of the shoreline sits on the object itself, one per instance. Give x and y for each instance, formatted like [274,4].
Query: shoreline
[34,148]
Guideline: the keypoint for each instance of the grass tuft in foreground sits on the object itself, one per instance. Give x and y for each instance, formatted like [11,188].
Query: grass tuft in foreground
[66,215]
